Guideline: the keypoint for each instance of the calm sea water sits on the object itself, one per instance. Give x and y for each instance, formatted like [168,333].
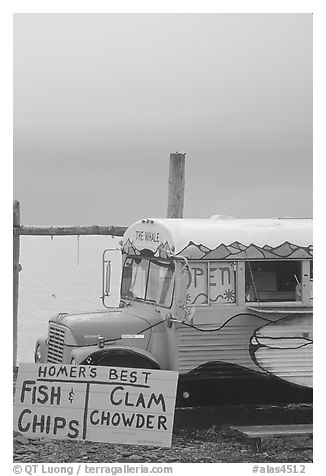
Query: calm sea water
[60,275]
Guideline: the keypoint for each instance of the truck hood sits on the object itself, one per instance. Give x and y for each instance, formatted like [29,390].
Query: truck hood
[86,327]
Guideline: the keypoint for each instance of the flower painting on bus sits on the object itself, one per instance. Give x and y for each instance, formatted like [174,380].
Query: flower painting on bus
[212,282]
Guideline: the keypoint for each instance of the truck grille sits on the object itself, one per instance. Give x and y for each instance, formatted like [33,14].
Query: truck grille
[56,342]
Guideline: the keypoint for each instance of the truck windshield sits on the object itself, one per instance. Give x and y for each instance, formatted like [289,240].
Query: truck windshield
[148,280]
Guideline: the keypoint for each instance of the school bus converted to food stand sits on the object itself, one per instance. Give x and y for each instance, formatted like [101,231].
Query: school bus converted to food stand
[225,302]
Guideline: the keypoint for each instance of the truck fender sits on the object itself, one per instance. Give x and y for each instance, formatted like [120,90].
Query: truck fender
[118,357]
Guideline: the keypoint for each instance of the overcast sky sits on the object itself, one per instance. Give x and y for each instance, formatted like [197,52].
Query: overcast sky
[101,100]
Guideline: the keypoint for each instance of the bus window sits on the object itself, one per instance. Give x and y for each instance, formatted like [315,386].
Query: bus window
[126,277]
[273,281]
[221,282]
[197,283]
[139,271]
[212,282]
[148,280]
[160,283]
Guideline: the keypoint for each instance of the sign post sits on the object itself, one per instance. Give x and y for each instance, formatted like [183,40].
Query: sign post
[105,404]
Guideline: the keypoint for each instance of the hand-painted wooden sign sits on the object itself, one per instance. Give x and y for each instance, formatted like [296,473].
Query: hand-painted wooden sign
[107,404]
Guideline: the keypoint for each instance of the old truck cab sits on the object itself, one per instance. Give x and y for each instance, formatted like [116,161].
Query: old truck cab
[225,302]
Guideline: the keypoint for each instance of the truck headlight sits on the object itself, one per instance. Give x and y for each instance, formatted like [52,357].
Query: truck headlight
[38,353]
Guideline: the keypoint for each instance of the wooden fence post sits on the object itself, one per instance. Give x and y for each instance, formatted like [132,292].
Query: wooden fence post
[176,185]
[16,267]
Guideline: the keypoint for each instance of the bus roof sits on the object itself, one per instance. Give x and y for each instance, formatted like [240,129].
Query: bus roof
[222,238]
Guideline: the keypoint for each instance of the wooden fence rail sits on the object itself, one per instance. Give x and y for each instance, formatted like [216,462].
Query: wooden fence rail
[70,230]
